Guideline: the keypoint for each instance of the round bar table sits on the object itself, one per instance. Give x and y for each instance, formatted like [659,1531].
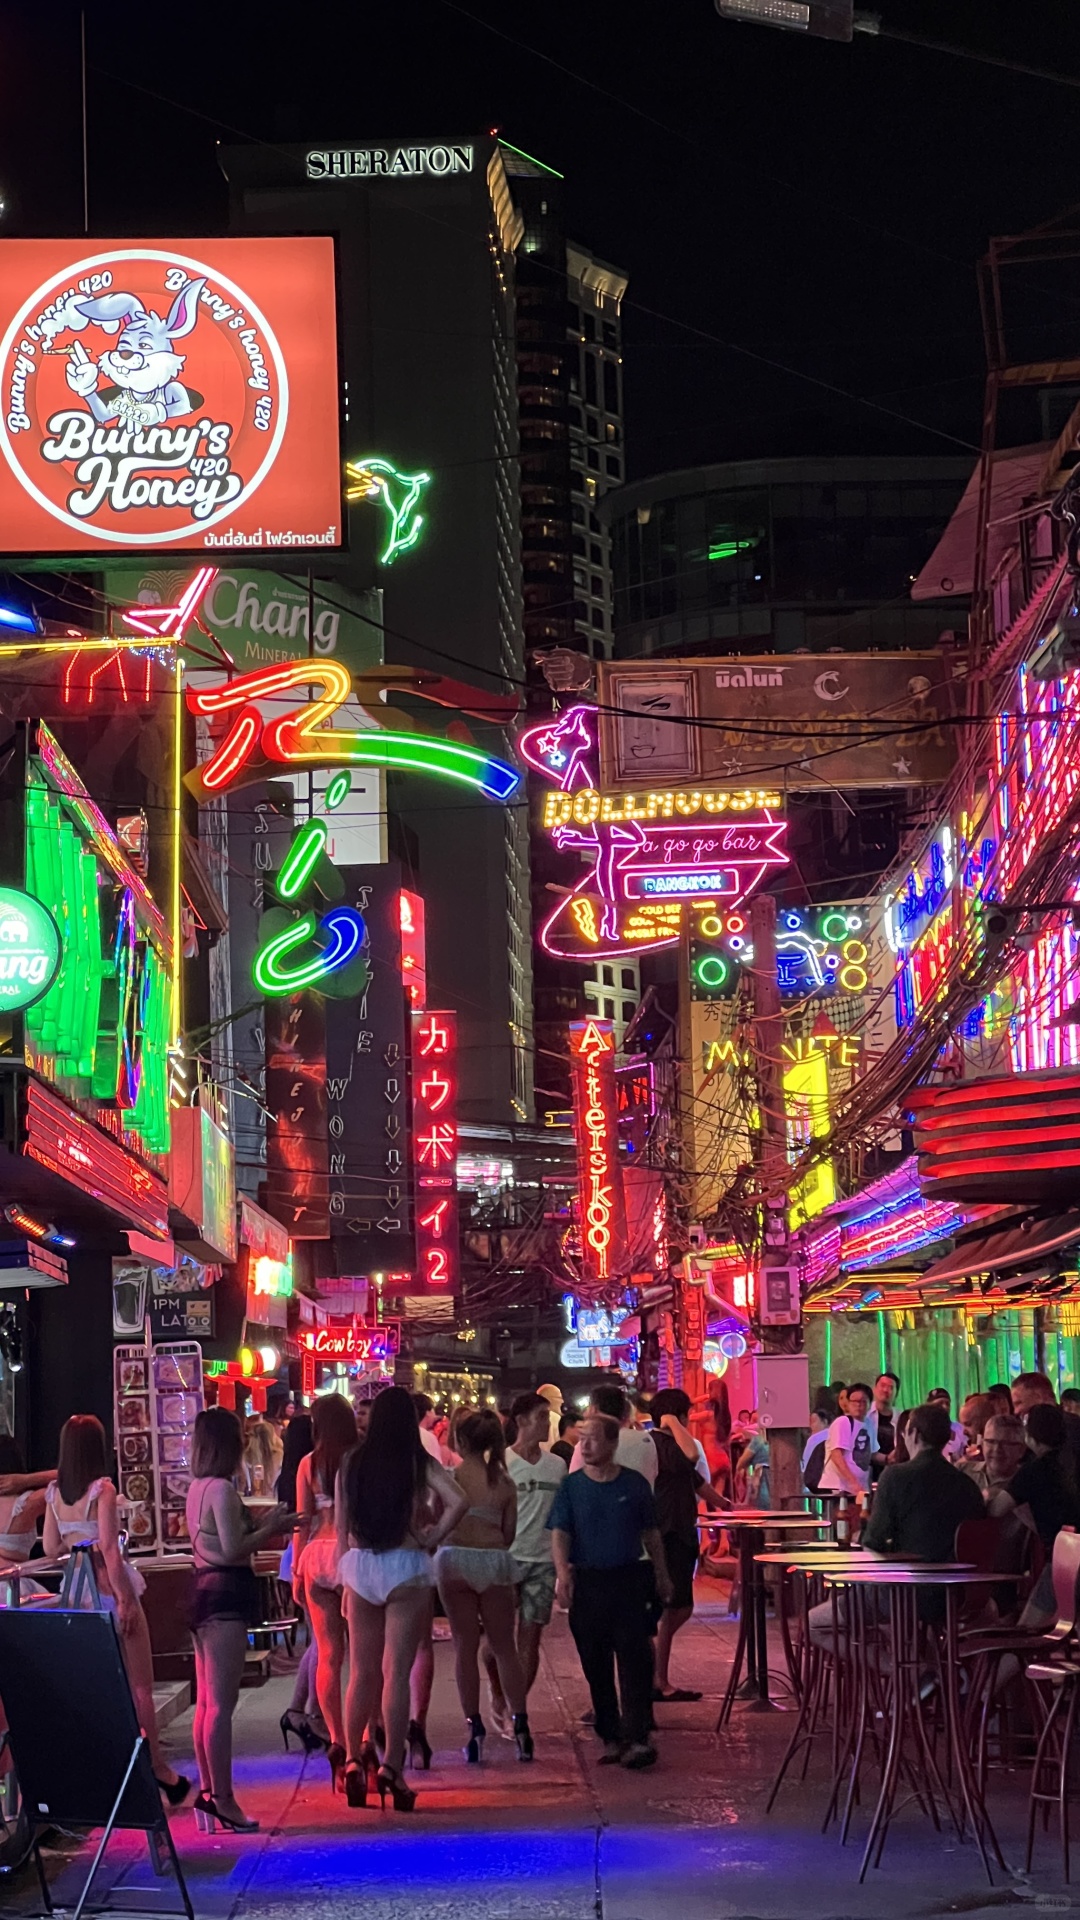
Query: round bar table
[901,1582]
[752,1524]
[808,1561]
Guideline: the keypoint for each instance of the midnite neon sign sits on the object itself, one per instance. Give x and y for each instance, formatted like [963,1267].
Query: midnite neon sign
[306,737]
[601,1205]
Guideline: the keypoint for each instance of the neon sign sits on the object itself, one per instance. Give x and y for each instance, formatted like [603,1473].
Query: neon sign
[306,737]
[29,950]
[399,493]
[434,1149]
[601,1205]
[650,852]
[819,951]
[357,1341]
[806,1098]
[101,1029]
[346,933]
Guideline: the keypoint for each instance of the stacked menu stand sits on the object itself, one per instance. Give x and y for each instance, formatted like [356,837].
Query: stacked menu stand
[158,1395]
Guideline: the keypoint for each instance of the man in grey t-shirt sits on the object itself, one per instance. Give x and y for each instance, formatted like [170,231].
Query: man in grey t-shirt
[537,1474]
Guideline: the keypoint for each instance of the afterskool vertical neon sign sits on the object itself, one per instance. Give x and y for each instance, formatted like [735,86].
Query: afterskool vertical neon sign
[601,1206]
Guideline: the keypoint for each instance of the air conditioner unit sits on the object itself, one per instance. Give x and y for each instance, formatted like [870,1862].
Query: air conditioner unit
[779,1297]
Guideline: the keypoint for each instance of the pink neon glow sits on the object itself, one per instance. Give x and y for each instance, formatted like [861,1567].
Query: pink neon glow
[625,855]
[168,623]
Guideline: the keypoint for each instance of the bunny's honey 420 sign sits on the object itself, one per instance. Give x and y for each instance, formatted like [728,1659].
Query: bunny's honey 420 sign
[168,395]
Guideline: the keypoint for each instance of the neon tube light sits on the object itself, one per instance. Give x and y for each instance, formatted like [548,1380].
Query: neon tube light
[339,789]
[346,930]
[168,623]
[302,737]
[302,859]
[375,479]
[25,622]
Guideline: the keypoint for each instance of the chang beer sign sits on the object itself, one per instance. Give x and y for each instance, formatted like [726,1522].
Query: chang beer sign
[263,617]
[30,950]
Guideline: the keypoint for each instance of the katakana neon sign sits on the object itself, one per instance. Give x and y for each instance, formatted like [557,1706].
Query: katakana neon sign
[651,852]
[305,736]
[399,495]
[601,1206]
[434,1148]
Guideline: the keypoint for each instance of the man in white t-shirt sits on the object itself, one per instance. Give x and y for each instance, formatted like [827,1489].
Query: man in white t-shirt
[635,1448]
[537,1474]
[849,1447]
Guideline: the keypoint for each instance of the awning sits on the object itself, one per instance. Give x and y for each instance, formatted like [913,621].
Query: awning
[1017,475]
[1017,1243]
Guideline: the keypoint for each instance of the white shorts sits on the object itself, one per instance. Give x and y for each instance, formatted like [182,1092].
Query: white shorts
[375,1576]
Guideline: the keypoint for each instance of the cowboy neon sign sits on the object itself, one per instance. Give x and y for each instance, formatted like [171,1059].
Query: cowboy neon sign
[353,1342]
[305,735]
[602,1210]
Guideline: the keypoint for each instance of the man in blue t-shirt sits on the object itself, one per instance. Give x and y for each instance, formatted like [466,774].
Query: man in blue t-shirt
[600,1520]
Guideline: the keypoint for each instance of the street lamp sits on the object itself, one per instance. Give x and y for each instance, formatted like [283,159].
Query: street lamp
[821,19]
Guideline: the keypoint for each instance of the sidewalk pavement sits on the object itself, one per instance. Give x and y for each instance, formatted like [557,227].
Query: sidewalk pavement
[563,1839]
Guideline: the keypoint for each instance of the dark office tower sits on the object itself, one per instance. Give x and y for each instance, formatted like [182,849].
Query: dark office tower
[569,380]
[427,235]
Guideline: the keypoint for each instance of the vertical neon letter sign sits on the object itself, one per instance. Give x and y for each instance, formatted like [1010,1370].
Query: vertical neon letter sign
[434,1146]
[601,1206]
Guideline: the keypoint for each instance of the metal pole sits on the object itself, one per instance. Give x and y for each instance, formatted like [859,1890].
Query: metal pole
[85,156]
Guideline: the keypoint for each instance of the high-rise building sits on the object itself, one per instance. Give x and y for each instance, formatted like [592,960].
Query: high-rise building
[569,379]
[426,237]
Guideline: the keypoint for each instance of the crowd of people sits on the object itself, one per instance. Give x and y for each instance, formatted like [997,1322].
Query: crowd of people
[389,1514]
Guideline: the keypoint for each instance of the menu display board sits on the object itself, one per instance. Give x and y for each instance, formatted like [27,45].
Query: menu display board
[157,1397]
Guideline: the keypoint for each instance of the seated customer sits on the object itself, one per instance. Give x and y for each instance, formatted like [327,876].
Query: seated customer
[1045,1492]
[917,1510]
[1004,1444]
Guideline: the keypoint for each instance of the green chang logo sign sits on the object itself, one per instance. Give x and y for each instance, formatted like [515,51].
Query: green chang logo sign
[29,950]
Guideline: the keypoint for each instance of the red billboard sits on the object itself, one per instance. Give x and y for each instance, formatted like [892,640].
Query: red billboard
[168,395]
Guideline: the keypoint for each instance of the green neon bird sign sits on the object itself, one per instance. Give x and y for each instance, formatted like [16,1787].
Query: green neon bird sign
[399,494]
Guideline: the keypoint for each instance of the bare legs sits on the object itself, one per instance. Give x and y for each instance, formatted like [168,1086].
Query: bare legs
[305,1699]
[471,1614]
[328,1626]
[671,1620]
[382,1644]
[220,1647]
[422,1678]
[139,1661]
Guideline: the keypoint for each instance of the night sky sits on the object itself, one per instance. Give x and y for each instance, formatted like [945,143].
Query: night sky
[821,205]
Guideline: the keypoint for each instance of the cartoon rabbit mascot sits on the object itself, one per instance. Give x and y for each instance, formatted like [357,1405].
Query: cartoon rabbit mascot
[141,370]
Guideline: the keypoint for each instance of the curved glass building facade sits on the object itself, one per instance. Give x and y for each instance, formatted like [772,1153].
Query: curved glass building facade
[762,555]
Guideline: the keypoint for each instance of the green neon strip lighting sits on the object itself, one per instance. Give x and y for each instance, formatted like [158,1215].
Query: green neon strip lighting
[522,155]
[339,789]
[73,1034]
[301,859]
[727,549]
[416,753]
[346,930]
[375,479]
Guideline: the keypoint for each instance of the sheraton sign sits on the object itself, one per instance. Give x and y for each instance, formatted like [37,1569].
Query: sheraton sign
[373,163]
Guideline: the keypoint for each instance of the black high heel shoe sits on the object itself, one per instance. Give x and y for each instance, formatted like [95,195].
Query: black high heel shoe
[209,1818]
[523,1736]
[175,1791]
[297,1723]
[474,1746]
[369,1760]
[418,1745]
[355,1779]
[391,1782]
[336,1756]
